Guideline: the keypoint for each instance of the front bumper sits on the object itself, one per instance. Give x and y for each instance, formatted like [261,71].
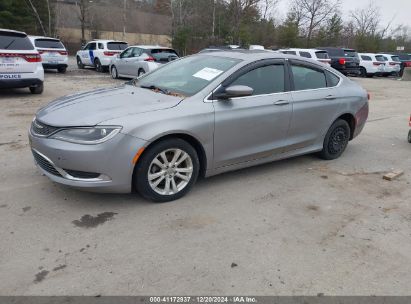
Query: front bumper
[106,167]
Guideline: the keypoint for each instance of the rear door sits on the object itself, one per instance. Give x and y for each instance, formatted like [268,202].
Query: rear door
[253,127]
[316,97]
[17,55]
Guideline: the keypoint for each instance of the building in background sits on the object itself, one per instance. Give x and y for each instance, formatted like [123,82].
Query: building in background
[134,21]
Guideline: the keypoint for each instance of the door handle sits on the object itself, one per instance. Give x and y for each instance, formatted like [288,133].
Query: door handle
[281,102]
[330,97]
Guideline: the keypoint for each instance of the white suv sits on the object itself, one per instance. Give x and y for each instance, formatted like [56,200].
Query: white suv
[98,54]
[53,53]
[371,64]
[20,63]
[392,64]
[319,55]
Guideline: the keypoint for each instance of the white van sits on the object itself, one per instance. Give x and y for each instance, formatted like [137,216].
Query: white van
[20,63]
[53,53]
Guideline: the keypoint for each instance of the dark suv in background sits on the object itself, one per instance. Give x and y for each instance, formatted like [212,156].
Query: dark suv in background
[405,61]
[344,60]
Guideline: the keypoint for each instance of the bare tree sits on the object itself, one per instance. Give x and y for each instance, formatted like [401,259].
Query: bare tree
[267,7]
[366,20]
[312,13]
[36,14]
[84,16]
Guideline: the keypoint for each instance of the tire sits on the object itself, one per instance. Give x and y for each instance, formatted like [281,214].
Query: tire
[409,136]
[80,64]
[363,72]
[97,64]
[62,70]
[336,140]
[370,75]
[113,72]
[37,89]
[141,72]
[159,193]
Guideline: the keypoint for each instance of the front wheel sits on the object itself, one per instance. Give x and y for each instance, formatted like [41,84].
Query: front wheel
[336,140]
[167,171]
[114,73]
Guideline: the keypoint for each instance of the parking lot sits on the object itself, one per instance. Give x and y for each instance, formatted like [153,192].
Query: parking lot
[299,226]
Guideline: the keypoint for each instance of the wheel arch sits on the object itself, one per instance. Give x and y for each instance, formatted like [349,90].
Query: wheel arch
[193,141]
[350,119]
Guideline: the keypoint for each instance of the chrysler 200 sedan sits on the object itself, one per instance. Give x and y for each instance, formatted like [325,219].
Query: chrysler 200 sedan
[198,116]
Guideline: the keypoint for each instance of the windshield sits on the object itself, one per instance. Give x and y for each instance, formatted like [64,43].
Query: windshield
[9,41]
[117,46]
[187,76]
[48,44]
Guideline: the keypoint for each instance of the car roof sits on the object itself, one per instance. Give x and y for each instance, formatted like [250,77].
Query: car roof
[150,47]
[302,50]
[43,37]
[106,41]
[13,31]
[368,54]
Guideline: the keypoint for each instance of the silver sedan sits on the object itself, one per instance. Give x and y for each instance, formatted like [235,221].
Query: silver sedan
[196,117]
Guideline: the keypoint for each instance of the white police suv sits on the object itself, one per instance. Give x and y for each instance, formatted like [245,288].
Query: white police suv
[53,53]
[98,53]
[20,63]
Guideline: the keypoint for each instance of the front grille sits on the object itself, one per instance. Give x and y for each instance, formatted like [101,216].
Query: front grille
[81,174]
[41,129]
[45,164]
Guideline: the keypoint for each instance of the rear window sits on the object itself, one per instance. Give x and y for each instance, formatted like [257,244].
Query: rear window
[117,46]
[350,53]
[395,58]
[404,57]
[11,41]
[334,52]
[48,44]
[380,58]
[289,52]
[366,58]
[322,55]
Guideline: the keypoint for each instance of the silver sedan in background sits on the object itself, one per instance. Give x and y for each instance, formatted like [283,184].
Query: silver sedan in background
[140,59]
[198,116]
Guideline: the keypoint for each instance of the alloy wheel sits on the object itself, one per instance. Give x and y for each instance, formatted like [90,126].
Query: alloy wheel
[170,172]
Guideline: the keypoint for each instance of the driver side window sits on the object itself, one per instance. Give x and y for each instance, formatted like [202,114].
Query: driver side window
[264,80]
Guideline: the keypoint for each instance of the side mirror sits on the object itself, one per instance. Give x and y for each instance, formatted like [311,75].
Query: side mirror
[235,91]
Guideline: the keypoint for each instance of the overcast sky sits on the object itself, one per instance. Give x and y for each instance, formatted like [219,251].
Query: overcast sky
[401,9]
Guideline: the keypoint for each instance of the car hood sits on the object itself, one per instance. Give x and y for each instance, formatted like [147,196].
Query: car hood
[94,107]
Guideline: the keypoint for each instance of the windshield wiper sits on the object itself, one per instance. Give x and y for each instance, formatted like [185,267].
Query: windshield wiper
[155,88]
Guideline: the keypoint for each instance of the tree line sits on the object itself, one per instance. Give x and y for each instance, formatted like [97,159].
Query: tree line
[197,24]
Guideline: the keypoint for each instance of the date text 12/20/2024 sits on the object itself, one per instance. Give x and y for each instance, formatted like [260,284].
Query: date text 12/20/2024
[203,299]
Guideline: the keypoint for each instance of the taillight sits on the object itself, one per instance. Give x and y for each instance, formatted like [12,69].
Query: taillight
[377,63]
[150,59]
[32,57]
[342,61]
[368,96]
[27,57]
[410,121]
[63,52]
[109,53]
[393,63]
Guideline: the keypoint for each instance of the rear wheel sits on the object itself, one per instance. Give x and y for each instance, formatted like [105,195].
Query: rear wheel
[98,66]
[141,72]
[80,64]
[409,136]
[167,171]
[62,70]
[37,89]
[336,140]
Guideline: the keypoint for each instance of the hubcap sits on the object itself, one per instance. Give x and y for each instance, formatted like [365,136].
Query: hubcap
[170,172]
[338,140]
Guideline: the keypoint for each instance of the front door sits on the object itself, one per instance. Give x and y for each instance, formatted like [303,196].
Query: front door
[253,127]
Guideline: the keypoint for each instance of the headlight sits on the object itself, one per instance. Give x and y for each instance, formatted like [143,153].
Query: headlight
[87,136]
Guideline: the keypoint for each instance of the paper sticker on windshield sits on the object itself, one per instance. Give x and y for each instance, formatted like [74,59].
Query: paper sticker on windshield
[207,74]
